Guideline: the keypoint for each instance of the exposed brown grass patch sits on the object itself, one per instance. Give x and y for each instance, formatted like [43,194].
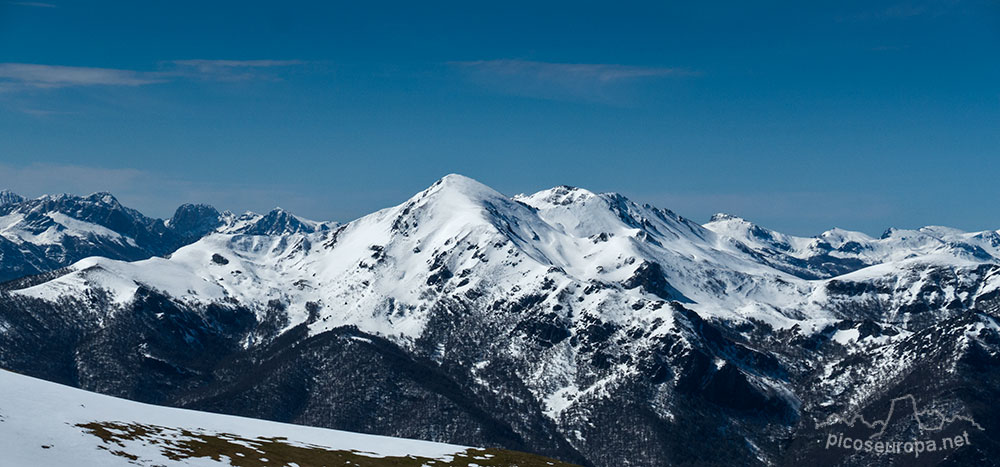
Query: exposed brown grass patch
[179,444]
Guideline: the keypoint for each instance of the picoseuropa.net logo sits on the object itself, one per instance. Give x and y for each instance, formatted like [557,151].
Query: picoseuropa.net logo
[915,447]
[937,432]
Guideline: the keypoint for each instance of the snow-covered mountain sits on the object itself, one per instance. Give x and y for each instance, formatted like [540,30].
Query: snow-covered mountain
[47,424]
[578,325]
[839,251]
[9,197]
[457,227]
[50,232]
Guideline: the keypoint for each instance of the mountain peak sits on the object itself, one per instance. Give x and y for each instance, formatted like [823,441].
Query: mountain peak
[454,188]
[456,178]
[278,211]
[195,220]
[103,197]
[461,183]
[739,227]
[9,197]
[277,222]
[562,195]
[722,217]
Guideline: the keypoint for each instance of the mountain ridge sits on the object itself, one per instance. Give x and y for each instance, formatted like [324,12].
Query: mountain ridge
[531,319]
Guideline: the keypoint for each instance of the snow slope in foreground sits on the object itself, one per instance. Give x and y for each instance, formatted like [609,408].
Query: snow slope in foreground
[47,424]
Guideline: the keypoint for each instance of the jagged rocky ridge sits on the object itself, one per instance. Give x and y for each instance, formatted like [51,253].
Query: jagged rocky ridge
[50,232]
[577,325]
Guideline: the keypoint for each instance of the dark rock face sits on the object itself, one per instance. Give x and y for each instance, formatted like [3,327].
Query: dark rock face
[20,260]
[193,221]
[649,276]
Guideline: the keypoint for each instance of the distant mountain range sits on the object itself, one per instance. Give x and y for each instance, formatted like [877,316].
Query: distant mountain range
[47,233]
[576,325]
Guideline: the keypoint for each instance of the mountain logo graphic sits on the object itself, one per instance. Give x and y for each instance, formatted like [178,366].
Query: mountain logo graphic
[929,420]
[865,436]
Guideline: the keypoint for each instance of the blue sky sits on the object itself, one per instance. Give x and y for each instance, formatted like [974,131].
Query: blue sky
[800,116]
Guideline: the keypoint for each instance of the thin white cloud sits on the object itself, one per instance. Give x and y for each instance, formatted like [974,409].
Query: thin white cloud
[55,76]
[578,71]
[228,70]
[590,81]
[21,76]
[208,65]
[33,4]
[42,112]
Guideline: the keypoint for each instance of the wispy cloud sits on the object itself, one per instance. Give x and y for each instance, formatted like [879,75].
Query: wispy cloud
[590,81]
[54,76]
[19,76]
[207,66]
[42,112]
[561,71]
[228,70]
[33,4]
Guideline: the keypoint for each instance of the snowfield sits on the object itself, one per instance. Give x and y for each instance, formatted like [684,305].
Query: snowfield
[39,426]
[47,424]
